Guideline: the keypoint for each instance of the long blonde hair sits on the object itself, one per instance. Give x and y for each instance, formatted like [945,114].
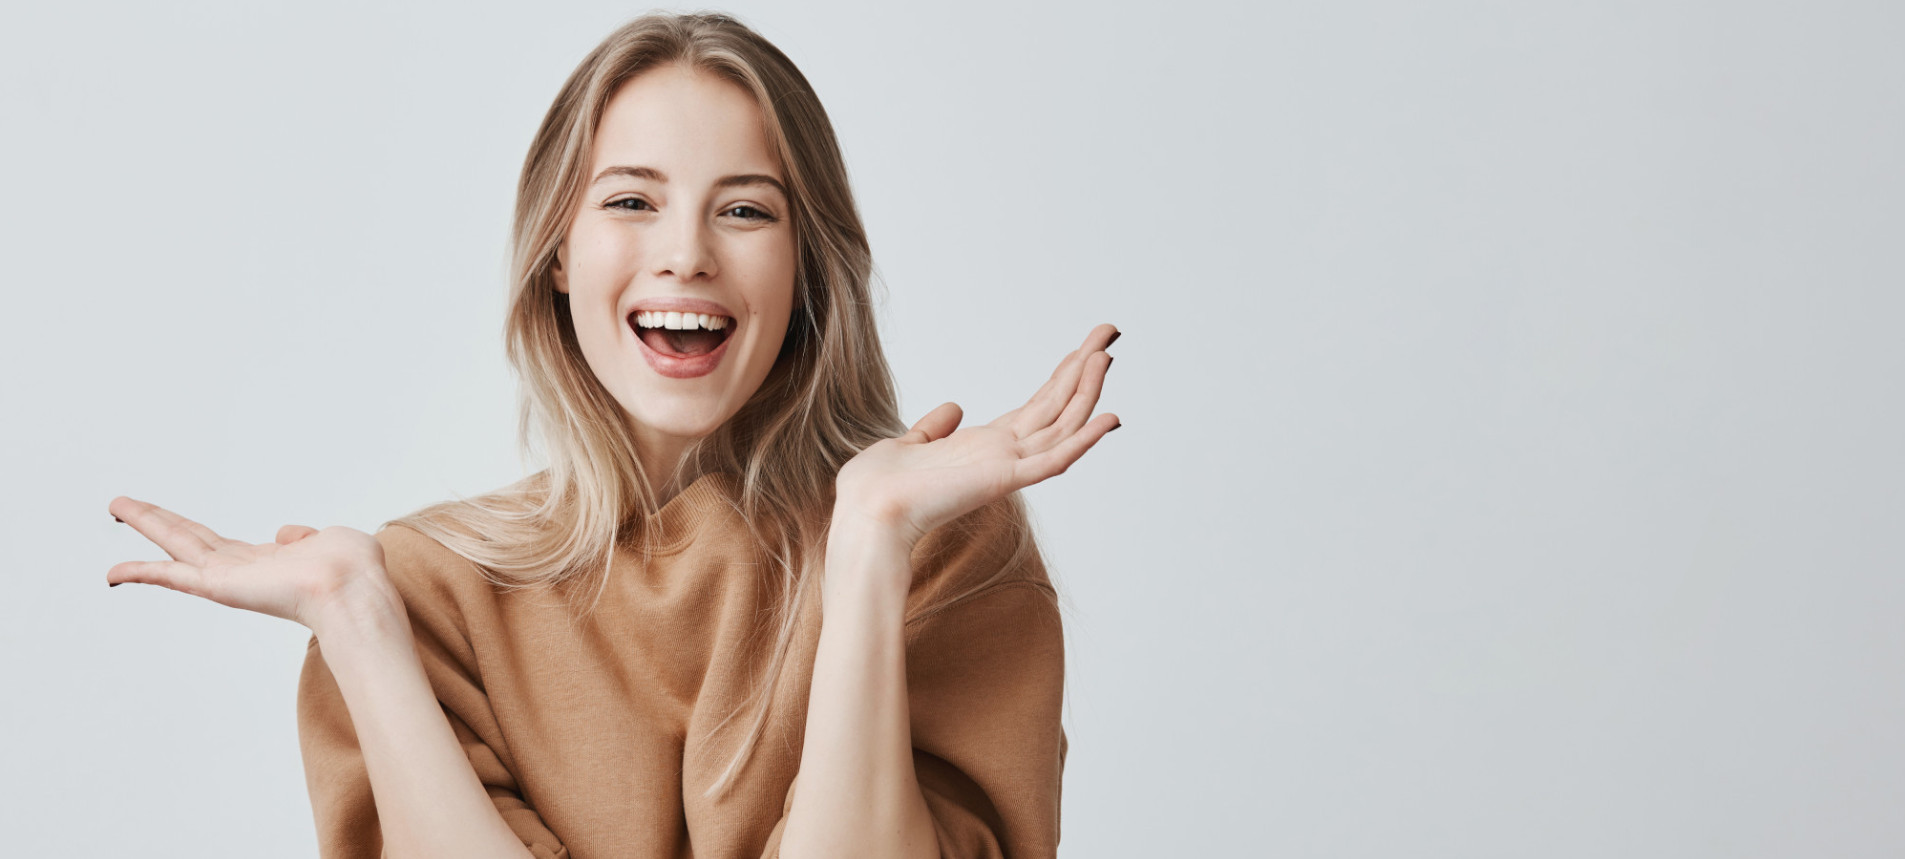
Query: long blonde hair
[829,395]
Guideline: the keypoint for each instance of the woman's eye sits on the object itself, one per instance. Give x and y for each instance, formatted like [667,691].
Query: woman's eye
[633,204]
[750,213]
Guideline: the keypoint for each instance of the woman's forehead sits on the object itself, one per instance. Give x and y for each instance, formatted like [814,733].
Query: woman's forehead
[686,124]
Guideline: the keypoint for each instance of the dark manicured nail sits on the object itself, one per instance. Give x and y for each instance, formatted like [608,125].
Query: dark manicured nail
[114,584]
[119,520]
[1108,361]
[1115,427]
[1114,337]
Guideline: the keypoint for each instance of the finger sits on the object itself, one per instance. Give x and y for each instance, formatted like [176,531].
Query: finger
[292,533]
[937,424]
[204,534]
[1038,411]
[210,537]
[180,537]
[1059,390]
[1100,337]
[1076,413]
[174,575]
[1053,462]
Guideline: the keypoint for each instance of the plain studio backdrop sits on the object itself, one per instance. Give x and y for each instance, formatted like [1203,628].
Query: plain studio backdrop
[1512,448]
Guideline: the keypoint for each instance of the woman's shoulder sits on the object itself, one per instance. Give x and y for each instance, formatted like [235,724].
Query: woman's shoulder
[433,554]
[427,574]
[411,553]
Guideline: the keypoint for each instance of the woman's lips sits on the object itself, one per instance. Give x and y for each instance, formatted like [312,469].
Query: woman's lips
[680,367]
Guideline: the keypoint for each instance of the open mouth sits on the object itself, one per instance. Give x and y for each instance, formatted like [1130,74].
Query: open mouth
[681,335]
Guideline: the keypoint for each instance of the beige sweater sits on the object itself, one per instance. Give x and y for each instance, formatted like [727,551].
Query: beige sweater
[580,730]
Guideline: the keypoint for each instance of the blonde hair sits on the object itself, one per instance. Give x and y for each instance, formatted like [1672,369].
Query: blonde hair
[829,395]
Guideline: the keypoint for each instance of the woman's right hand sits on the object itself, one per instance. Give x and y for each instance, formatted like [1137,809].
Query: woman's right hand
[306,576]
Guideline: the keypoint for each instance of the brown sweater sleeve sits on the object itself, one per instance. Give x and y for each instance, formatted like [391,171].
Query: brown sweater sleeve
[985,683]
[334,772]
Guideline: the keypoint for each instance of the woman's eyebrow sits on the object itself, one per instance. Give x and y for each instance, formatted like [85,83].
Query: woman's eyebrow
[654,175]
[648,173]
[751,179]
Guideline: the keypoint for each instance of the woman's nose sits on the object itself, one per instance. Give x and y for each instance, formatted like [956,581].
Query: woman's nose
[686,254]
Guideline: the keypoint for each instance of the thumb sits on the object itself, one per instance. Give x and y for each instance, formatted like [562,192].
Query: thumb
[937,424]
[292,533]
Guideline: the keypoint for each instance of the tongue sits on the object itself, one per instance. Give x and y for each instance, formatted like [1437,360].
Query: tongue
[682,341]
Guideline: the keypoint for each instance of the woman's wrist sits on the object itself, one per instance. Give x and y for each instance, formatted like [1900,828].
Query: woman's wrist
[868,562]
[368,611]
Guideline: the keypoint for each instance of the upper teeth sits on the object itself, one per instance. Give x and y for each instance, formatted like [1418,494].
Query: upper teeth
[673,319]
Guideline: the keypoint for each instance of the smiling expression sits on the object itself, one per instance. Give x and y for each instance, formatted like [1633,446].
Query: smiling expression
[685,210]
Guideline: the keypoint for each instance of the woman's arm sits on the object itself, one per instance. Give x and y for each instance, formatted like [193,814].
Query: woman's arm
[857,794]
[429,800]
[333,582]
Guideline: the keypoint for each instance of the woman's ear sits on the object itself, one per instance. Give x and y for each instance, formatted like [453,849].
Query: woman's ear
[561,274]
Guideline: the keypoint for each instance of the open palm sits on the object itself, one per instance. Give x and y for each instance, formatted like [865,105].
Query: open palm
[937,472]
[297,578]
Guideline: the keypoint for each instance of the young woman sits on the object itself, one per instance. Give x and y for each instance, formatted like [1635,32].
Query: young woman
[745,611]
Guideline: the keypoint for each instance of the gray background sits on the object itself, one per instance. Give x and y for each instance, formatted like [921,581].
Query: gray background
[1511,462]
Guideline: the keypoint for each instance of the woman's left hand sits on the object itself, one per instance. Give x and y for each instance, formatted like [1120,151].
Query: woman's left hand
[938,472]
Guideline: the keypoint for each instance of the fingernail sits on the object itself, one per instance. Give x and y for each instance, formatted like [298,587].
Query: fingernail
[1114,337]
[117,519]
[114,584]
[1108,361]
[1115,427]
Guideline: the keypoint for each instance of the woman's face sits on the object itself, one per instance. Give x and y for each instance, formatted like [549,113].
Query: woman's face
[679,264]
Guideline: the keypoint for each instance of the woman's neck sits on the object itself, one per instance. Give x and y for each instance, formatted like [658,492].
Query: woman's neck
[661,456]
